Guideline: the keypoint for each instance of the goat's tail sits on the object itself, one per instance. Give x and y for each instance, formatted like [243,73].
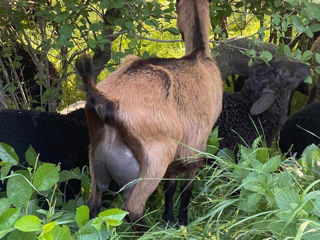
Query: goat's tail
[96,100]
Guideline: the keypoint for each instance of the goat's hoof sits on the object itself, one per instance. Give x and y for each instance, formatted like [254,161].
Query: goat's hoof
[93,213]
[183,220]
[168,218]
[94,210]
[139,226]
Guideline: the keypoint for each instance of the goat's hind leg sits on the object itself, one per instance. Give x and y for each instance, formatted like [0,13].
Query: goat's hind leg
[154,164]
[186,192]
[95,198]
[169,190]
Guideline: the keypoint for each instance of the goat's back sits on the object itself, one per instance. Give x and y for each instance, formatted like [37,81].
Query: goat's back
[176,98]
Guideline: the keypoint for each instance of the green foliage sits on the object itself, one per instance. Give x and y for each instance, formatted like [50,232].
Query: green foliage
[23,215]
[264,196]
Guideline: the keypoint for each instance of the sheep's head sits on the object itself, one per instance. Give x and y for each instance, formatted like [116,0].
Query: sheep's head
[267,83]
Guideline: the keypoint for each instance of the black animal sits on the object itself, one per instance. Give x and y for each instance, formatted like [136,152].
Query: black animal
[301,130]
[262,104]
[57,138]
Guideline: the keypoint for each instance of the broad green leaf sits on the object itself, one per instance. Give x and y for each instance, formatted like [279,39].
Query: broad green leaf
[251,53]
[282,228]
[118,4]
[213,142]
[113,217]
[5,169]
[97,223]
[105,4]
[266,56]
[315,27]
[5,232]
[48,227]
[4,205]
[19,191]
[31,156]
[316,209]
[66,31]
[247,153]
[133,43]
[61,233]
[297,23]
[226,155]
[276,19]
[89,232]
[263,155]
[308,32]
[129,25]
[283,180]
[95,27]
[306,55]
[28,223]
[313,233]
[7,154]
[46,176]
[92,43]
[173,30]
[293,3]
[8,218]
[310,156]
[18,235]
[251,203]
[272,164]
[66,175]
[284,25]
[82,215]
[286,199]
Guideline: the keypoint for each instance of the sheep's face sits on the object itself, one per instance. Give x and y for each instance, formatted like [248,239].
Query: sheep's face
[266,83]
[291,73]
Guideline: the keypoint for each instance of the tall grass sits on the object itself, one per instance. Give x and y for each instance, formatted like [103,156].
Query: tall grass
[258,194]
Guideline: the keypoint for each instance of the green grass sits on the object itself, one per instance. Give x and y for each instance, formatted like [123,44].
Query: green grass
[265,196]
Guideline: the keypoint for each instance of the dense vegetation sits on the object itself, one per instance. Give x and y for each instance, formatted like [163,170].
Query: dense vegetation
[267,195]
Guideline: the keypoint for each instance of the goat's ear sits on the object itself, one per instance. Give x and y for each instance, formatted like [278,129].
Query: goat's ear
[264,102]
[240,66]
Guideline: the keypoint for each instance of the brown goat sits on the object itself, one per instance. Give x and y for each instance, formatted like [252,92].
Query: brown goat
[147,118]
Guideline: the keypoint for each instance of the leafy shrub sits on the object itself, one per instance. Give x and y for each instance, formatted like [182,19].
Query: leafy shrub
[33,208]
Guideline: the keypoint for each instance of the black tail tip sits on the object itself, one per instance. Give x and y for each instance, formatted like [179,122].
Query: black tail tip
[84,67]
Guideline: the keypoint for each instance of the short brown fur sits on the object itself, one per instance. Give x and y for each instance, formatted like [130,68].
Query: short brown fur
[162,103]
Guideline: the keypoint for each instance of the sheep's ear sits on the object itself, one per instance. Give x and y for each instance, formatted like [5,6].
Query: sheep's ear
[264,102]
[294,72]
[240,66]
[303,88]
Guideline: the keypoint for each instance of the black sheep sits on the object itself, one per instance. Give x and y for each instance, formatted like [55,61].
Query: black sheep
[301,130]
[264,99]
[57,138]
